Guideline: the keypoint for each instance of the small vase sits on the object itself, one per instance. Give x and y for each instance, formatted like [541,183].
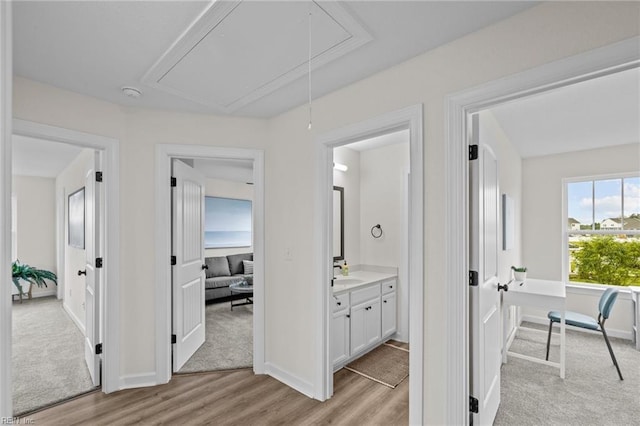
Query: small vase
[520,276]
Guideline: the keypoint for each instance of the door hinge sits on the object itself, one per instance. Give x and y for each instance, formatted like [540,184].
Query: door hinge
[174,339]
[173,260]
[174,182]
[98,176]
[98,262]
[473,152]
[473,278]
[98,348]
[473,404]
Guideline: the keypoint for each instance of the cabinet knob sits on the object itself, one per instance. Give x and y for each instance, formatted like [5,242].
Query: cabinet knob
[84,272]
[348,316]
[390,286]
[339,303]
[384,301]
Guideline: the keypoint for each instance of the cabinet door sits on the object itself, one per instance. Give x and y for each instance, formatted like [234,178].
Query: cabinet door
[372,322]
[340,337]
[388,314]
[357,326]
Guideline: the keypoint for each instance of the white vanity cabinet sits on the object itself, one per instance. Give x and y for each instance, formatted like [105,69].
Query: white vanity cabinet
[365,317]
[362,318]
[389,307]
[340,329]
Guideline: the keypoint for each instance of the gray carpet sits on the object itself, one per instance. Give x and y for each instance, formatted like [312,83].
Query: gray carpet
[228,341]
[591,394]
[48,355]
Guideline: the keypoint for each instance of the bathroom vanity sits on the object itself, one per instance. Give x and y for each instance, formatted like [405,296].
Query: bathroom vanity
[364,314]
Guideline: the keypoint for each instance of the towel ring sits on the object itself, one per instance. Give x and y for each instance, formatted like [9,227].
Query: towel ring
[378,233]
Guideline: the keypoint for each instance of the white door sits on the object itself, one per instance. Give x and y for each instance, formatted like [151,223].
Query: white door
[93,280]
[188,275]
[485,341]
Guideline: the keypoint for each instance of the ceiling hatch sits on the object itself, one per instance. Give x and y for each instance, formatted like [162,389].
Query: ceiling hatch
[238,52]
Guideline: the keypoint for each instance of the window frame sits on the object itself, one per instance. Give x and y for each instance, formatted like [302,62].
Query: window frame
[565,219]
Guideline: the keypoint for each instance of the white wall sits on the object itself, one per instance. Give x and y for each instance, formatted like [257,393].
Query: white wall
[510,46]
[542,220]
[69,181]
[36,213]
[350,181]
[383,172]
[228,189]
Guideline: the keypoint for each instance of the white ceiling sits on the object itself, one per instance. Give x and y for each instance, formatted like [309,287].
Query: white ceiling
[592,114]
[230,57]
[41,158]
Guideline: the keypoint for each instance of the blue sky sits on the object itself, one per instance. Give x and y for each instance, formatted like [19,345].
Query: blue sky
[227,214]
[607,197]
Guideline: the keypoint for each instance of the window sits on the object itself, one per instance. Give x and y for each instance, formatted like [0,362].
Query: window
[602,230]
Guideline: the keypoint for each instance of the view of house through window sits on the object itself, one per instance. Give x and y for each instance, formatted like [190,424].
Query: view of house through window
[603,230]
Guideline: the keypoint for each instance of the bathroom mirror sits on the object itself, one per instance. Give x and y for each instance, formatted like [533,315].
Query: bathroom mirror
[338,223]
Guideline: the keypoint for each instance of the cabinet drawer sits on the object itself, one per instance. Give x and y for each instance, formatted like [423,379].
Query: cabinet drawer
[388,286]
[340,302]
[362,295]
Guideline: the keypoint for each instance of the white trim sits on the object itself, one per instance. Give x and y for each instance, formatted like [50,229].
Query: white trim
[6,99]
[111,288]
[289,379]
[164,154]
[601,61]
[410,117]
[141,380]
[74,318]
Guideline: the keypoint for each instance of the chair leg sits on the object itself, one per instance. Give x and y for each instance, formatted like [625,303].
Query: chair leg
[549,339]
[613,357]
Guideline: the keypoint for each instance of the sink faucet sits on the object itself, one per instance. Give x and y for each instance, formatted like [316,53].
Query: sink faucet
[336,265]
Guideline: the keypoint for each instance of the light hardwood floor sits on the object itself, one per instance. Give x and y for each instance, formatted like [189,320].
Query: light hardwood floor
[236,398]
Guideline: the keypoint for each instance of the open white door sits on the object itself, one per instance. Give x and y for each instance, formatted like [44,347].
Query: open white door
[92,242]
[484,299]
[188,274]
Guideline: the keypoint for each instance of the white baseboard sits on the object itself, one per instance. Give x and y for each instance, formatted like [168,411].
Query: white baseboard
[611,332]
[74,318]
[289,379]
[141,380]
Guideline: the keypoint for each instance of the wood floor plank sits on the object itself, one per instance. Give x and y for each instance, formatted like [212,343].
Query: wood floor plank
[235,398]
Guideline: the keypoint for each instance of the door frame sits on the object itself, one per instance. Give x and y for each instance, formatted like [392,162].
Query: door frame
[108,311]
[164,154]
[411,118]
[596,63]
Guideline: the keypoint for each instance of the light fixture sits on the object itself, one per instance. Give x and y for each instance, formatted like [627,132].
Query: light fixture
[131,92]
[341,167]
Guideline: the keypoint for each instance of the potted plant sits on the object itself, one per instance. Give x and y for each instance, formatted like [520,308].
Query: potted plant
[21,271]
[519,273]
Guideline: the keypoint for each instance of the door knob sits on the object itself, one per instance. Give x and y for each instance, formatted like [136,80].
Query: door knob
[503,287]
[82,272]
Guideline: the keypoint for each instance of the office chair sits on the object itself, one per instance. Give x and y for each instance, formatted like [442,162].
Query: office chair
[584,321]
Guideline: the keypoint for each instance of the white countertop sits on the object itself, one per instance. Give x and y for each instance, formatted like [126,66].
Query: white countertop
[364,278]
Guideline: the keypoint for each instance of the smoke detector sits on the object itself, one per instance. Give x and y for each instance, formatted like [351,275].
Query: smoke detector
[131,92]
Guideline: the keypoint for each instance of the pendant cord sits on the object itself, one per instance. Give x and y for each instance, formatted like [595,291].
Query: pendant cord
[309,65]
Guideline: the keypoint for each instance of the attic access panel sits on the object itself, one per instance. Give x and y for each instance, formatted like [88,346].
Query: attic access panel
[238,52]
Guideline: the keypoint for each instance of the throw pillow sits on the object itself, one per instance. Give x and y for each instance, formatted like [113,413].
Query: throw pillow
[248,266]
[218,267]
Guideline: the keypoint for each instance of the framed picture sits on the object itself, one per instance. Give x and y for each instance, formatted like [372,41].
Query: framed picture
[76,219]
[227,223]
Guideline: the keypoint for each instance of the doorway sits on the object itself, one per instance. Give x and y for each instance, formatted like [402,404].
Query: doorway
[105,332]
[165,154]
[409,118]
[601,61]
[221,268]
